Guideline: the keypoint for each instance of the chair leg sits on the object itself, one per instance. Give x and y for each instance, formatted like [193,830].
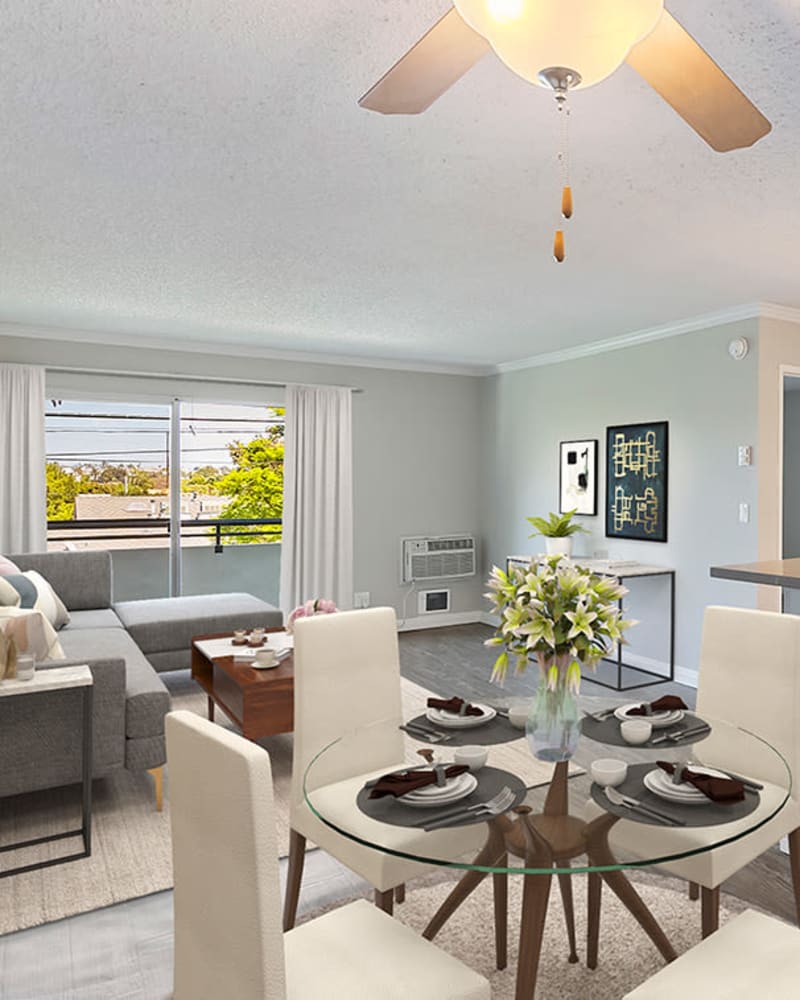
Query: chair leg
[709,910]
[794,859]
[385,900]
[694,890]
[158,784]
[594,894]
[500,891]
[294,876]
[400,893]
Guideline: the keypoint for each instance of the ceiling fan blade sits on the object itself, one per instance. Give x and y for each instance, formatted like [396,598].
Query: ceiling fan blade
[683,73]
[426,71]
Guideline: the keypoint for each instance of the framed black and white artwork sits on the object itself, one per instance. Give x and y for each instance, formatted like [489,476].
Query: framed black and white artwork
[577,479]
[636,481]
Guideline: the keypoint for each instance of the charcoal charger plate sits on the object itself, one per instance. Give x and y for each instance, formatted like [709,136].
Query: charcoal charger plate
[490,781]
[608,732]
[497,730]
[701,814]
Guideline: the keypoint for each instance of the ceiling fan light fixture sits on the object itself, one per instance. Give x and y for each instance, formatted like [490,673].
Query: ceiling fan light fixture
[592,36]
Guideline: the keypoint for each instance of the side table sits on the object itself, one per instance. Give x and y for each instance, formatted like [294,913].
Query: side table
[60,679]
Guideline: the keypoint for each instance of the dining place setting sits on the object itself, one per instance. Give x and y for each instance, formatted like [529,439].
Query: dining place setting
[452,785]
[664,792]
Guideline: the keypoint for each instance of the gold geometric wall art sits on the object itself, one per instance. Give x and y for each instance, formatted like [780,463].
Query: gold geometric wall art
[636,481]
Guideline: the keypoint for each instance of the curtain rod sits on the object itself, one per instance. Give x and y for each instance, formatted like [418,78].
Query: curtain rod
[164,376]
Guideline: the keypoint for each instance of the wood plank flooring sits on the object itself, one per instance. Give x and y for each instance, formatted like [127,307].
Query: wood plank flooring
[454,660]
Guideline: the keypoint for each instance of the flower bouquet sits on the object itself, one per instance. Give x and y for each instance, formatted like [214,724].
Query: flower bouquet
[565,617]
[321,606]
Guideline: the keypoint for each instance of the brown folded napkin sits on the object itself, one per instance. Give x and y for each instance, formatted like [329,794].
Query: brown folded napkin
[717,789]
[456,705]
[411,780]
[667,703]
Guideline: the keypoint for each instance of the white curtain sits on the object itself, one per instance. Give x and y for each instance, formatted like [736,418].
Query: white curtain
[23,517]
[317,548]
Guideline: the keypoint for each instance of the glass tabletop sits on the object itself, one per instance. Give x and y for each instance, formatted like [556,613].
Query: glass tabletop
[581,830]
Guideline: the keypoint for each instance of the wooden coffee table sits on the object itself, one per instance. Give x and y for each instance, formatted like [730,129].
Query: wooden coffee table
[259,702]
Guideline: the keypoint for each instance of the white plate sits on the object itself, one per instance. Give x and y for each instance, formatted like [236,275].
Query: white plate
[660,784]
[455,789]
[658,720]
[264,666]
[452,720]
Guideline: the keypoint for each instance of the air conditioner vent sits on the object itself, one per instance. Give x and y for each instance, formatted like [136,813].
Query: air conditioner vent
[443,557]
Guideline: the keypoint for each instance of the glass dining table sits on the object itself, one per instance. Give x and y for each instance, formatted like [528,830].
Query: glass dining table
[540,841]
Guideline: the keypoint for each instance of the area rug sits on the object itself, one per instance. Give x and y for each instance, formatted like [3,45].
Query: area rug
[626,955]
[131,848]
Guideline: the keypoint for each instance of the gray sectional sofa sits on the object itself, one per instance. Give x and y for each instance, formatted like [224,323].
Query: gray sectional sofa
[126,646]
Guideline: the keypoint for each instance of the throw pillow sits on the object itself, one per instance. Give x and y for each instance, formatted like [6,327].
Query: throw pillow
[6,567]
[34,593]
[32,633]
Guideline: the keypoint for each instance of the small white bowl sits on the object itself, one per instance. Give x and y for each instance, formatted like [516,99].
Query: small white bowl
[609,771]
[518,714]
[473,757]
[636,731]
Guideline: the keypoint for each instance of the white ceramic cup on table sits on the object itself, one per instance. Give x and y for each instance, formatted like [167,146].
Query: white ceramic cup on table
[473,757]
[609,771]
[636,731]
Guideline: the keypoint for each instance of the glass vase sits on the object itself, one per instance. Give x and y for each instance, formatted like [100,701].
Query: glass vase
[553,727]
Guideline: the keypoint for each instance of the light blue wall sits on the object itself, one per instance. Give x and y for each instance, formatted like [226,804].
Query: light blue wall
[710,402]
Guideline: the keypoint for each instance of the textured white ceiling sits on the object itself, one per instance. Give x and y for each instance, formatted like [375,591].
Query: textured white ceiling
[200,170]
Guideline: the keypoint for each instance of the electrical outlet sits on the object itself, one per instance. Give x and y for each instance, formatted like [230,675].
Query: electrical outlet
[361,599]
[744,513]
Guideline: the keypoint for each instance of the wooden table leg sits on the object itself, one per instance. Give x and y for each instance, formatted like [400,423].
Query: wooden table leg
[210,709]
[565,884]
[500,891]
[599,853]
[535,894]
[594,891]
[490,854]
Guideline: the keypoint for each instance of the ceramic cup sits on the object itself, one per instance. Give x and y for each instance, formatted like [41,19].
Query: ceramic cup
[473,757]
[636,731]
[609,771]
[518,714]
[239,636]
[266,658]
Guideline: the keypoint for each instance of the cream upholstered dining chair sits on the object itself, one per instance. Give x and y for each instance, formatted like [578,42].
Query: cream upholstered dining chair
[749,676]
[346,678]
[228,939]
[753,955]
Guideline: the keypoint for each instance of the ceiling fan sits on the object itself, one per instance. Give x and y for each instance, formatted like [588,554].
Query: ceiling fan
[569,44]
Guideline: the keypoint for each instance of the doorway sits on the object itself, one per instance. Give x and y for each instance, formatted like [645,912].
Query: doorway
[790,498]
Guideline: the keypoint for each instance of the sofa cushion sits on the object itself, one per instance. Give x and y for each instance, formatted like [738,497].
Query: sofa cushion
[95,618]
[31,590]
[146,698]
[170,623]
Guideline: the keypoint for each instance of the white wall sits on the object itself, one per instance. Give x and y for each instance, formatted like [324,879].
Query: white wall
[415,441]
[710,402]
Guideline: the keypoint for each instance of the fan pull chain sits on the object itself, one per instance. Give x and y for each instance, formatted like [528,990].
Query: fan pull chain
[563,161]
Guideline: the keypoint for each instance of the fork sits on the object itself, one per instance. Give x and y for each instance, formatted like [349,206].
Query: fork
[500,803]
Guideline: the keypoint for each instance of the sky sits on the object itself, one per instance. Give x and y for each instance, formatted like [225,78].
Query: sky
[207,429]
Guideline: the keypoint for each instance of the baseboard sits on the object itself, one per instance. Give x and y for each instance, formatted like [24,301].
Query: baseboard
[438,619]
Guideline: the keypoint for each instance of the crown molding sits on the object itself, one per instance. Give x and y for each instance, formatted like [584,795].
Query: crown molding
[215,348]
[769,310]
[719,318]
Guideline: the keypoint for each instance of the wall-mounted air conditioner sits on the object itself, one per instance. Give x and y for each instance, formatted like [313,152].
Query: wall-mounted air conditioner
[442,557]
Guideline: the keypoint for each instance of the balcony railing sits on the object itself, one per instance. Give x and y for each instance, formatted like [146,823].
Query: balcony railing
[135,528]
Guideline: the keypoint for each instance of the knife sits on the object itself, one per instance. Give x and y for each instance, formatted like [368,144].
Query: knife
[696,731]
